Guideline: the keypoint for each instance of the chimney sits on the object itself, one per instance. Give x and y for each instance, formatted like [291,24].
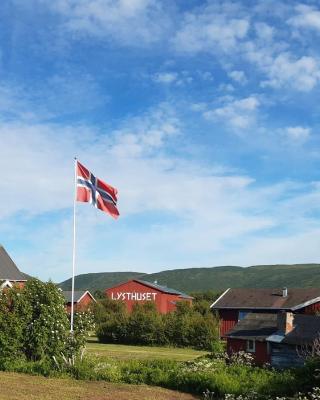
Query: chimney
[285,322]
[284,292]
[155,282]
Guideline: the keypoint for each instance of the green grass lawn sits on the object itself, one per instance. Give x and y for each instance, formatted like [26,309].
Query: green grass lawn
[125,352]
[28,387]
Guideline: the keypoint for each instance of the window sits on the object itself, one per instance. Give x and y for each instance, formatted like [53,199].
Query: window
[251,346]
[242,314]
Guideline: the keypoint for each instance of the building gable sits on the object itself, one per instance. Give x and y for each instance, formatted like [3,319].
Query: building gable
[8,269]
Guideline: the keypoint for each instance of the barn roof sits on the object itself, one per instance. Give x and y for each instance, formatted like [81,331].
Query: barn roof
[255,326]
[8,269]
[78,294]
[164,289]
[267,299]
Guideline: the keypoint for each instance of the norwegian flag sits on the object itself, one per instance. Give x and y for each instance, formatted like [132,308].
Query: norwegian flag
[93,190]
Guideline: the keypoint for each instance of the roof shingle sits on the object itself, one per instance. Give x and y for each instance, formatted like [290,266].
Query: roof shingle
[255,326]
[164,289]
[8,269]
[266,298]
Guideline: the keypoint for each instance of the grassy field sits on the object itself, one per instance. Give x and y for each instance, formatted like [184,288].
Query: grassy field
[28,387]
[124,352]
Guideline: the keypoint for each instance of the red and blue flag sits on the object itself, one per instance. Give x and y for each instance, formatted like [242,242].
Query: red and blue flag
[93,190]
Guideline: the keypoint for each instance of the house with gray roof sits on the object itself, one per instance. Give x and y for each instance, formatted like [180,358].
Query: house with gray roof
[82,300]
[278,339]
[9,272]
[234,304]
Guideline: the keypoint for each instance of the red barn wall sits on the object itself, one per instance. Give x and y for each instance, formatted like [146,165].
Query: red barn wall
[311,310]
[83,304]
[228,319]
[261,354]
[134,292]
[19,284]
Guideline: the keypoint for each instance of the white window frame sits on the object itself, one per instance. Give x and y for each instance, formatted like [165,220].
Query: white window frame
[251,349]
[6,284]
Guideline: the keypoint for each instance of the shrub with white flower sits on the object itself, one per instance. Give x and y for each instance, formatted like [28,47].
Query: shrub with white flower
[47,330]
[34,324]
[241,358]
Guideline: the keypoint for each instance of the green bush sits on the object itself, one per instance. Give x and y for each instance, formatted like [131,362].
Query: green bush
[185,327]
[34,325]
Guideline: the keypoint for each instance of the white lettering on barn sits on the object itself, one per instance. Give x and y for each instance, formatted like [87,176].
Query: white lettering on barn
[134,296]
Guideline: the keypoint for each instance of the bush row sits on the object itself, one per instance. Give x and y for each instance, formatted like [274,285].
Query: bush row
[185,327]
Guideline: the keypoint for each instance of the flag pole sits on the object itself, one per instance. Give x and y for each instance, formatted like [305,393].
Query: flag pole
[74,242]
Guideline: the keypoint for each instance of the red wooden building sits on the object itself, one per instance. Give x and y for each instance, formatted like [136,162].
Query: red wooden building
[82,300]
[136,291]
[9,273]
[234,304]
[274,338]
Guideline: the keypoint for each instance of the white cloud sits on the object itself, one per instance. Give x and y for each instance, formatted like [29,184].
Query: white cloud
[297,133]
[177,78]
[264,31]
[134,22]
[302,73]
[238,76]
[166,77]
[294,248]
[58,95]
[240,114]
[306,17]
[211,29]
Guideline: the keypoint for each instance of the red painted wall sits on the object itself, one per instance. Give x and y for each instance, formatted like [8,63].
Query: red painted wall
[228,319]
[83,305]
[19,284]
[261,355]
[135,292]
[312,309]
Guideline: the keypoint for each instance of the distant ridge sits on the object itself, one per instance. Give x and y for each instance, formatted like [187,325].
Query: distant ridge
[214,278]
[99,280]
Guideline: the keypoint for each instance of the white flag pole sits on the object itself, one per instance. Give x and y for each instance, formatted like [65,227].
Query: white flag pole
[74,242]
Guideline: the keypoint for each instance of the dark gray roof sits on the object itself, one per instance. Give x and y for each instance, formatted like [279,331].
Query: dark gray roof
[259,326]
[266,299]
[8,269]
[164,289]
[306,328]
[77,295]
[255,326]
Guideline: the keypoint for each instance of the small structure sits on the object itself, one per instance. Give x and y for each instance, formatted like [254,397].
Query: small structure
[277,339]
[234,304]
[82,300]
[9,273]
[137,291]
[250,335]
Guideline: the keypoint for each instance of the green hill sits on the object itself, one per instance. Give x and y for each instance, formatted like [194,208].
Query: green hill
[99,280]
[216,278]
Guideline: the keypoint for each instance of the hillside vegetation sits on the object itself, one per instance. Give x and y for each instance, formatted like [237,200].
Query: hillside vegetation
[215,278]
[99,280]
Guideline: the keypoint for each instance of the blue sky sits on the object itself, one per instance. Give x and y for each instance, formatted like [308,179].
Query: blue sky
[204,115]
